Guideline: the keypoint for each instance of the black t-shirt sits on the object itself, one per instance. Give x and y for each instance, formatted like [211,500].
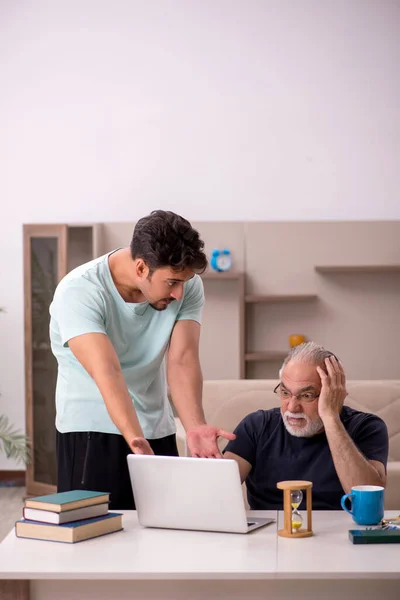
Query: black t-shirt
[276,455]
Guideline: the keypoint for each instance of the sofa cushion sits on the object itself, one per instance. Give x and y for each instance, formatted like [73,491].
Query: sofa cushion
[383,399]
[225,403]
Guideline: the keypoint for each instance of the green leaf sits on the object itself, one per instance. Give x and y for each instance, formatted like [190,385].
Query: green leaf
[15,444]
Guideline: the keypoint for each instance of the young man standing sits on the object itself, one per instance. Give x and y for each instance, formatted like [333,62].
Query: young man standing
[112,322]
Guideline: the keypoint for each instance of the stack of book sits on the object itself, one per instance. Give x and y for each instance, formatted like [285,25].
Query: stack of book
[68,517]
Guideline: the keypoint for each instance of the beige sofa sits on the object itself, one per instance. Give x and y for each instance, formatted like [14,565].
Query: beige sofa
[227,402]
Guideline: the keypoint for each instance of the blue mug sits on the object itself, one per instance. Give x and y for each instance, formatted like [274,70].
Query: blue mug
[366,504]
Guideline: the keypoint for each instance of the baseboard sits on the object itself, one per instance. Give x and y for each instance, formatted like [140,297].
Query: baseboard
[12,478]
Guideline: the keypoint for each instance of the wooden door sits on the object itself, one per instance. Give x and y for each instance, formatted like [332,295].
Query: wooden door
[45,264]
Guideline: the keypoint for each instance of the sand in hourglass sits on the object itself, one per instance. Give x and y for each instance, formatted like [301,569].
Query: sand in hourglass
[296,497]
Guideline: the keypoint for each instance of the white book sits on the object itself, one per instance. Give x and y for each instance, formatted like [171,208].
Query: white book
[47,516]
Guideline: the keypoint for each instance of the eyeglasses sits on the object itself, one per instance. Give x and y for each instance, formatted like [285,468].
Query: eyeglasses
[303,397]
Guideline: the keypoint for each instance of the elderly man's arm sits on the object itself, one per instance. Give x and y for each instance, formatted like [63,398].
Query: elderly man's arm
[244,448]
[244,465]
[351,466]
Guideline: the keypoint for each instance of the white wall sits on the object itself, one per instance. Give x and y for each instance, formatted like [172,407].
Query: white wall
[218,109]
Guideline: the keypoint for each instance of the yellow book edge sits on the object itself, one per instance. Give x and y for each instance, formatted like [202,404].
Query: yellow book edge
[39,531]
[68,506]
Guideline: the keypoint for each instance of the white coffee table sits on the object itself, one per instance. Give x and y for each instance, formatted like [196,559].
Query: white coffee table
[164,565]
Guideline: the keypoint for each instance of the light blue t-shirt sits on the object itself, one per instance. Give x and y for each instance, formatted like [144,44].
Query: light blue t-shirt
[87,301]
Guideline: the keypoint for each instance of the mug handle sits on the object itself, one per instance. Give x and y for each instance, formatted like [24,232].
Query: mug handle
[343,502]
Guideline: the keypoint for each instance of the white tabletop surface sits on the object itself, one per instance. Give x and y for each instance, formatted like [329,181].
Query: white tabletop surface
[139,553]
[143,553]
[330,552]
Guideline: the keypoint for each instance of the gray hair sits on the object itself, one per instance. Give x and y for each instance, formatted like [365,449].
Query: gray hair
[308,353]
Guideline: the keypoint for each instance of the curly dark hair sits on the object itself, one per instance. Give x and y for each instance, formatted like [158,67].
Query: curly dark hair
[165,239]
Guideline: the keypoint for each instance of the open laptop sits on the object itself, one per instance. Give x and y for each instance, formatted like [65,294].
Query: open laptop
[200,494]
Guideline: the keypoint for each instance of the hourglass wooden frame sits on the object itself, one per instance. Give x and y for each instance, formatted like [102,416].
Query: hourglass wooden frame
[288,487]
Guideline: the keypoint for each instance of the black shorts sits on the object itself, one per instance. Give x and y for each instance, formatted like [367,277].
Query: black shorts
[97,462]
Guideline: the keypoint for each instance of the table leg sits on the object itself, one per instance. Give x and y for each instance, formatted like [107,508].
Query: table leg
[14,589]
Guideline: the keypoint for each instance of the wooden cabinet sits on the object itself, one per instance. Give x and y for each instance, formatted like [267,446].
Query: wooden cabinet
[348,302]
[50,251]
[276,357]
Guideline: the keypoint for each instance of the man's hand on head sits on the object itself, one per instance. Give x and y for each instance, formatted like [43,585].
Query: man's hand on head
[333,392]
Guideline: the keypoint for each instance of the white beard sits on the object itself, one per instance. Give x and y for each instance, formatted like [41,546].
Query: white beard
[311,427]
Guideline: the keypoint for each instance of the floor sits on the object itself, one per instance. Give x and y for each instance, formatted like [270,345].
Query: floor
[11,500]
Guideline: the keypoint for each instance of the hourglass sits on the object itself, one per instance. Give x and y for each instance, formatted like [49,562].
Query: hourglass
[292,497]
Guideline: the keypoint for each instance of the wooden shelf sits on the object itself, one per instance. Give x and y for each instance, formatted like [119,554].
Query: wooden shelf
[225,275]
[258,299]
[267,355]
[358,269]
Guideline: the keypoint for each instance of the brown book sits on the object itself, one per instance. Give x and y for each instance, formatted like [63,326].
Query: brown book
[77,531]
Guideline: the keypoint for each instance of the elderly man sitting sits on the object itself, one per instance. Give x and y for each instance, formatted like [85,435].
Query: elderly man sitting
[312,436]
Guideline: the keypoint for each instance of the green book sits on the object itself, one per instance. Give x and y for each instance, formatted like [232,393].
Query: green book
[375,536]
[67,500]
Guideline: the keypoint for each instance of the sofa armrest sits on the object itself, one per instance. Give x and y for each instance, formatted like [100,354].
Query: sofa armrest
[392,491]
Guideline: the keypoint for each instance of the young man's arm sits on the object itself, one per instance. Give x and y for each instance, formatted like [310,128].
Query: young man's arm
[184,374]
[79,315]
[186,384]
[97,355]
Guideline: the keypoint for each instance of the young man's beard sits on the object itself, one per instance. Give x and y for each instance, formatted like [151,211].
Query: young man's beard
[161,308]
